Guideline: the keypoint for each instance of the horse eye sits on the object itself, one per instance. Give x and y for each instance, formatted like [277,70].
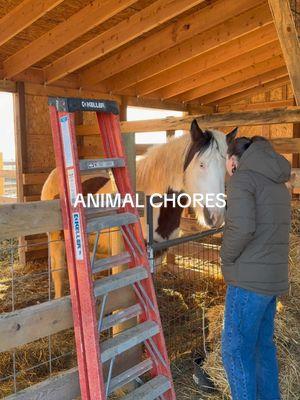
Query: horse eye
[201,165]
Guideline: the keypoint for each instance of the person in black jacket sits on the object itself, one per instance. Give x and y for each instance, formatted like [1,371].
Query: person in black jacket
[254,259]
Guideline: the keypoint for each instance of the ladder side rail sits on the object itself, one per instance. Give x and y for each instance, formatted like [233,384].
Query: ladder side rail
[76,310]
[89,345]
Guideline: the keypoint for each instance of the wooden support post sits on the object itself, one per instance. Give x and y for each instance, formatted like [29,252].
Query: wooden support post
[170,133]
[129,143]
[288,37]
[20,138]
[1,179]
[21,152]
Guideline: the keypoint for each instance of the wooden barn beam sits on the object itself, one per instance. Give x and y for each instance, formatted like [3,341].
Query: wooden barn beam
[237,64]
[256,106]
[148,18]
[83,21]
[288,37]
[62,91]
[25,14]
[266,36]
[157,103]
[213,38]
[244,85]
[214,120]
[260,88]
[243,76]
[184,28]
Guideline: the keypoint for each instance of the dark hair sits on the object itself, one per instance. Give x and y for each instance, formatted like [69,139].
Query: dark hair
[239,145]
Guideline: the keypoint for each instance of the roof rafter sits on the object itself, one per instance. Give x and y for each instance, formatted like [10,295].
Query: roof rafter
[183,29]
[22,16]
[244,85]
[237,76]
[231,29]
[289,41]
[79,23]
[170,82]
[127,30]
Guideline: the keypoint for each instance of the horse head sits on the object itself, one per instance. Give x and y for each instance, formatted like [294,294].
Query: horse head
[205,170]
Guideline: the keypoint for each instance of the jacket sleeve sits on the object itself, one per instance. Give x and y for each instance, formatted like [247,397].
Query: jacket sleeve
[240,217]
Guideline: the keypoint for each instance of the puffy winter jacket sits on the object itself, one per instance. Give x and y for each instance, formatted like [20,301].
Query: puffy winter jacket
[254,251]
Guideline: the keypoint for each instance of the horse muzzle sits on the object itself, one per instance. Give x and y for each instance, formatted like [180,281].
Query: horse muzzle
[214,218]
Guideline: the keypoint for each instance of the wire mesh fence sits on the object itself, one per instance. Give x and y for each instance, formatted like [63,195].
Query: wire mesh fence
[24,284]
[30,283]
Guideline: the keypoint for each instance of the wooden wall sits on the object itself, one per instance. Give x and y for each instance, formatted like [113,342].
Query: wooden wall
[277,98]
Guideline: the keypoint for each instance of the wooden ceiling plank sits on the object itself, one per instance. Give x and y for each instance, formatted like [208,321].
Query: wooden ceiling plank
[231,65]
[213,38]
[247,43]
[177,32]
[260,88]
[79,23]
[25,14]
[244,85]
[288,37]
[239,75]
[145,20]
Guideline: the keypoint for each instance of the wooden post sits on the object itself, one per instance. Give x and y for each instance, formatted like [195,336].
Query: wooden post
[129,143]
[170,134]
[288,37]
[20,138]
[21,153]
[1,179]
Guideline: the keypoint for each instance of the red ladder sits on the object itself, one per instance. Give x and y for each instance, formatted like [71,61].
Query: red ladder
[85,290]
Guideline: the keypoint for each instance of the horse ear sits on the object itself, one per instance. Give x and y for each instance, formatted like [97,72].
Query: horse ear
[197,134]
[231,135]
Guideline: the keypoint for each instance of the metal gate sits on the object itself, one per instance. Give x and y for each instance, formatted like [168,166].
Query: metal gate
[188,282]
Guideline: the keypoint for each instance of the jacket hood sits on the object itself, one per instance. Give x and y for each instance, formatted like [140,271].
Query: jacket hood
[262,158]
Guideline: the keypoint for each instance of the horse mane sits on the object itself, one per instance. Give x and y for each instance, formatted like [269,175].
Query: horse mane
[162,166]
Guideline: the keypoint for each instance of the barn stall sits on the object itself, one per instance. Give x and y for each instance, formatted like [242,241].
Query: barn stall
[224,63]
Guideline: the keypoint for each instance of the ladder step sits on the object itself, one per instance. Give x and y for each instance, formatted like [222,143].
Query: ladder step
[110,221]
[150,390]
[130,375]
[128,339]
[117,281]
[103,264]
[121,316]
[92,165]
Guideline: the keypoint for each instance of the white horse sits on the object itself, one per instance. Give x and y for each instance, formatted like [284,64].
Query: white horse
[191,164]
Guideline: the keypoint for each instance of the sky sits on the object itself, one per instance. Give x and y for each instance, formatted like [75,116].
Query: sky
[138,113]
[7,141]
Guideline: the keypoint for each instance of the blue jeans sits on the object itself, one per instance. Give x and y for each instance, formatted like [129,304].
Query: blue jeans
[248,349]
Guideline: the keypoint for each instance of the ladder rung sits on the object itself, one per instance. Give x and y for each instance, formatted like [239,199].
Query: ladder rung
[128,339]
[150,390]
[103,264]
[121,316]
[109,221]
[117,281]
[131,374]
[92,165]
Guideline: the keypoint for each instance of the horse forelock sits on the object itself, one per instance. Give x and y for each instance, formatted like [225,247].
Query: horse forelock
[216,142]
